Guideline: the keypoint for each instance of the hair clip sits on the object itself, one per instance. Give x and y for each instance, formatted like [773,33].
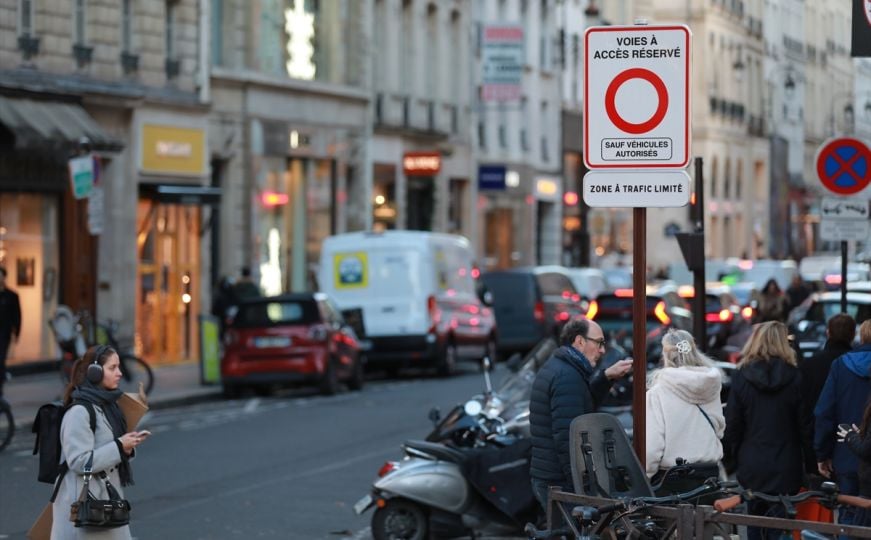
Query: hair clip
[683,346]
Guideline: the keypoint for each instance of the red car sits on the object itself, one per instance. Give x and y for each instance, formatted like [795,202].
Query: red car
[290,339]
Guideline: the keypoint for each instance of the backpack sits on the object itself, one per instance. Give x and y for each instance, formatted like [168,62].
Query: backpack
[46,426]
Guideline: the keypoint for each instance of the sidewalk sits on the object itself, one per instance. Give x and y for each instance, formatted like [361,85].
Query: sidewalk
[174,384]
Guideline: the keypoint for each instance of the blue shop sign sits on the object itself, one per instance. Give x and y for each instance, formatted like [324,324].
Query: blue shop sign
[491,177]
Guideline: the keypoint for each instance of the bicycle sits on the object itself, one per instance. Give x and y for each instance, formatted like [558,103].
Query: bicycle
[7,424]
[625,517]
[74,332]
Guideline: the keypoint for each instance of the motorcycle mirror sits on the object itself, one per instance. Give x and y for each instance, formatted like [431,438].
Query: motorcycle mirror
[473,407]
[434,415]
[485,363]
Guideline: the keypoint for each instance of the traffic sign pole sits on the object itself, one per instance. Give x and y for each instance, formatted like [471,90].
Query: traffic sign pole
[639,334]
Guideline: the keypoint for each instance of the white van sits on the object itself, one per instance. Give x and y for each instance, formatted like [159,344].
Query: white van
[417,293]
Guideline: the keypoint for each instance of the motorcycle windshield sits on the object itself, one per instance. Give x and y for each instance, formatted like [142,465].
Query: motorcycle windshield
[512,397]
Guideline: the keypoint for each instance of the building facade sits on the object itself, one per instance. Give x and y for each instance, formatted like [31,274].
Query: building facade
[521,217]
[289,130]
[422,160]
[120,85]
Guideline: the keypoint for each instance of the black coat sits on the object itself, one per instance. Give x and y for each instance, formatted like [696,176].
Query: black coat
[10,314]
[767,431]
[564,389]
[861,446]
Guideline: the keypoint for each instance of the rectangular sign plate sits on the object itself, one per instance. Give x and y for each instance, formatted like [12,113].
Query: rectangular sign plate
[637,189]
[844,208]
[842,230]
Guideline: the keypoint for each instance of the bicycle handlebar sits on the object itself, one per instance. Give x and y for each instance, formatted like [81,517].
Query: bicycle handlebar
[728,503]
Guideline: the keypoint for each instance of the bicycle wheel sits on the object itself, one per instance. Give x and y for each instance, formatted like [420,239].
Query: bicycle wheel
[7,424]
[135,370]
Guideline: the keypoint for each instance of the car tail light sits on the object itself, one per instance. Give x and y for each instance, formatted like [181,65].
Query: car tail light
[724,315]
[623,293]
[593,310]
[318,333]
[576,297]
[833,279]
[538,311]
[562,316]
[686,291]
[387,468]
[435,313]
[567,294]
[660,313]
[747,312]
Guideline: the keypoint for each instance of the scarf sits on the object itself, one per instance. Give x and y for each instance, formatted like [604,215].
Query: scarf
[586,366]
[107,400]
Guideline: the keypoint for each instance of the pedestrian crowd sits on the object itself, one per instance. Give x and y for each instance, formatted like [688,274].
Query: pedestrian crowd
[789,423]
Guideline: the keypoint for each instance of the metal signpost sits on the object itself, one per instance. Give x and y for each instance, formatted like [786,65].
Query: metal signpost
[844,168]
[637,122]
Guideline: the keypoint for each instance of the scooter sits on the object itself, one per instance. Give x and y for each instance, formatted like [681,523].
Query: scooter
[471,475]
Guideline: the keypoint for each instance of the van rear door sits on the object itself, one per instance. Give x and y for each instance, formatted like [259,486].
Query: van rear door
[515,295]
[387,285]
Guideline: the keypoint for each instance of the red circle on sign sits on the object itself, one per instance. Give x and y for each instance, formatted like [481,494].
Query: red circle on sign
[611,96]
[832,166]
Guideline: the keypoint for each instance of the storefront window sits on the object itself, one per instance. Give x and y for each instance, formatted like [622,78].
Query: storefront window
[167,293]
[29,251]
[384,197]
[295,215]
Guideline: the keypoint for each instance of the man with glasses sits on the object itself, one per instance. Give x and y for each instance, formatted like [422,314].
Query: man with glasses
[567,386]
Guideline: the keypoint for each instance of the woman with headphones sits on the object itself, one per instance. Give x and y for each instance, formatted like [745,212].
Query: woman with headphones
[108,448]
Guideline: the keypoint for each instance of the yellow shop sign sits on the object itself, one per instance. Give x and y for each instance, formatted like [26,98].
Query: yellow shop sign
[173,150]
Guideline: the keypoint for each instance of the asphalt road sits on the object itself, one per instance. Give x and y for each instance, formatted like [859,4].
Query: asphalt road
[285,466]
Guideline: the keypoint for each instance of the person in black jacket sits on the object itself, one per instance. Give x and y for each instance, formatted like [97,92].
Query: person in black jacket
[840,332]
[566,386]
[10,323]
[766,429]
[858,440]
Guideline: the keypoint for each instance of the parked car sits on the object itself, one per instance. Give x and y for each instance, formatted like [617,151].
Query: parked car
[290,339]
[808,321]
[417,294]
[531,304]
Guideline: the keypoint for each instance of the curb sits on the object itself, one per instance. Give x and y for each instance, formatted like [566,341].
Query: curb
[169,402]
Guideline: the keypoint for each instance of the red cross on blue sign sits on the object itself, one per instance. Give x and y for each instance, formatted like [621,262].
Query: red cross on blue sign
[844,165]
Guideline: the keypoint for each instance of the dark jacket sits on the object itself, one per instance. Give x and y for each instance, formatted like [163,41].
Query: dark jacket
[861,446]
[10,314]
[766,431]
[842,401]
[565,387]
[815,371]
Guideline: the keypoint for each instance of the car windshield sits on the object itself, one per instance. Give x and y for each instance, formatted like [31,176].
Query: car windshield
[277,313]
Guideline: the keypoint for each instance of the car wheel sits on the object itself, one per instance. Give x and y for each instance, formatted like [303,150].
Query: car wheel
[447,362]
[357,378]
[399,520]
[330,380]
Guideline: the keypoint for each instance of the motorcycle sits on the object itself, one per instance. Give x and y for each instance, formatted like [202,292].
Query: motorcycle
[471,474]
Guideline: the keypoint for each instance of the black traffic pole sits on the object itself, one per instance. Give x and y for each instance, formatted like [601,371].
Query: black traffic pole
[843,276]
[698,304]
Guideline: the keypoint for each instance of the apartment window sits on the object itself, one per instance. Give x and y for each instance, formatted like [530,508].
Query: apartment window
[714,178]
[482,135]
[217,32]
[738,179]
[127,25]
[544,130]
[727,181]
[80,22]
[25,17]
[503,139]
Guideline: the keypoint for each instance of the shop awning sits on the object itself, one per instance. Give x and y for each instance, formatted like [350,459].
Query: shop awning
[181,193]
[52,124]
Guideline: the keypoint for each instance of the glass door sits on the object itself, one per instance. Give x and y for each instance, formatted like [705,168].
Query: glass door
[167,293]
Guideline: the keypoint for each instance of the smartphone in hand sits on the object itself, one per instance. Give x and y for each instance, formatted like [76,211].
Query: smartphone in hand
[144,433]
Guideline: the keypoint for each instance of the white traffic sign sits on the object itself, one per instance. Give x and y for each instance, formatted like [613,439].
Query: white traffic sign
[842,230]
[844,208]
[637,97]
[637,189]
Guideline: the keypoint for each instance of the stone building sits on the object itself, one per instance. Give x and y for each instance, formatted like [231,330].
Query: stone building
[122,84]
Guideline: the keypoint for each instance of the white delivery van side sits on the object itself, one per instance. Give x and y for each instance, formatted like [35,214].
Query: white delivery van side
[416,292]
